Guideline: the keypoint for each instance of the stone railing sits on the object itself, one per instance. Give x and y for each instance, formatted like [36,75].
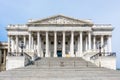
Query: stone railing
[28,58]
[102,25]
[17,26]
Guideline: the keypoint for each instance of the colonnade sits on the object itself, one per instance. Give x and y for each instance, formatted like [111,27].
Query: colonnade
[90,43]
[3,53]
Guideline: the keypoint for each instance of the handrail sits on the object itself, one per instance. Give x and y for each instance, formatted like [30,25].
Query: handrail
[18,54]
[102,54]
[28,55]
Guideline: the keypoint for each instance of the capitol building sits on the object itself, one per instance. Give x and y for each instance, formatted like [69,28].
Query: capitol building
[59,36]
[58,47]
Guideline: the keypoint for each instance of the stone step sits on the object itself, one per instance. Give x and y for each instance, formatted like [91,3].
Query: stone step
[73,69]
[62,62]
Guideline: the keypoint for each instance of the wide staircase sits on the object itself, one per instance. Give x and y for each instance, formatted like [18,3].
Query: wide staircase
[60,69]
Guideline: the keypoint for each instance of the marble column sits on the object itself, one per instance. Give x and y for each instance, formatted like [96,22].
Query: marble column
[63,46]
[47,45]
[8,43]
[17,49]
[78,48]
[86,43]
[81,43]
[110,43]
[4,56]
[55,44]
[72,45]
[29,41]
[94,42]
[89,40]
[38,44]
[0,56]
[102,40]
[12,44]
[32,42]
[24,40]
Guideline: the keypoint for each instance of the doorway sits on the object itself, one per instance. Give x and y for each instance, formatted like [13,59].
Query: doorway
[59,53]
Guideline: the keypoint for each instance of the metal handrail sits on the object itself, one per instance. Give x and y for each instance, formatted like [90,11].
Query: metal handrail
[96,56]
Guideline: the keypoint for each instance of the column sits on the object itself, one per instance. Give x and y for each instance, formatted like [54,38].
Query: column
[86,43]
[8,44]
[4,56]
[102,43]
[78,47]
[12,44]
[17,44]
[55,44]
[32,43]
[38,43]
[106,44]
[81,43]
[63,46]
[29,42]
[0,56]
[110,43]
[72,45]
[94,42]
[24,38]
[47,45]
[89,40]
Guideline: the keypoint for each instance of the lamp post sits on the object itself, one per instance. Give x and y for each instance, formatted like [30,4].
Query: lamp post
[99,47]
[21,46]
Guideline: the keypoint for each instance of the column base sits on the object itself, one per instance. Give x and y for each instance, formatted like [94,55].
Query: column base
[64,55]
[55,55]
[47,55]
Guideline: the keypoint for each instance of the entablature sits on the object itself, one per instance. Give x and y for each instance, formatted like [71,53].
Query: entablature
[60,28]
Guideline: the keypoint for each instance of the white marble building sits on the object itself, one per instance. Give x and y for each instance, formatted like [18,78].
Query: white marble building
[59,36]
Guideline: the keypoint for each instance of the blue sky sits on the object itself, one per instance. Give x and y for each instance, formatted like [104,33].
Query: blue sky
[100,11]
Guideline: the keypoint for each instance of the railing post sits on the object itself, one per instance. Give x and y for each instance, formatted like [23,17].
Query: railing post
[74,64]
[87,64]
[49,64]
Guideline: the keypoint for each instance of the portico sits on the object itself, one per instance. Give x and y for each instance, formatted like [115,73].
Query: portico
[59,36]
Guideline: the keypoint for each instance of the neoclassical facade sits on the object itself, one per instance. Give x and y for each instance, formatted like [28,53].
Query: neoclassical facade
[59,36]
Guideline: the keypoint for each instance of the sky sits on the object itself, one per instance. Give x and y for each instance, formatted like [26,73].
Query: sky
[99,11]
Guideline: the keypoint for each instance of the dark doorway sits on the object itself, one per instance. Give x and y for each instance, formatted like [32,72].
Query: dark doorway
[59,53]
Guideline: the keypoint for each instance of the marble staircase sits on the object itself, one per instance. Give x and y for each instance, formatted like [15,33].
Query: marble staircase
[60,69]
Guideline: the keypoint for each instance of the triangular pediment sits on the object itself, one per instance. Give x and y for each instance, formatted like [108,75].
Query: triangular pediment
[60,19]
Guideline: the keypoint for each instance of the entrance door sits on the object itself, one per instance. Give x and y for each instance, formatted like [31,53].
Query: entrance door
[59,53]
